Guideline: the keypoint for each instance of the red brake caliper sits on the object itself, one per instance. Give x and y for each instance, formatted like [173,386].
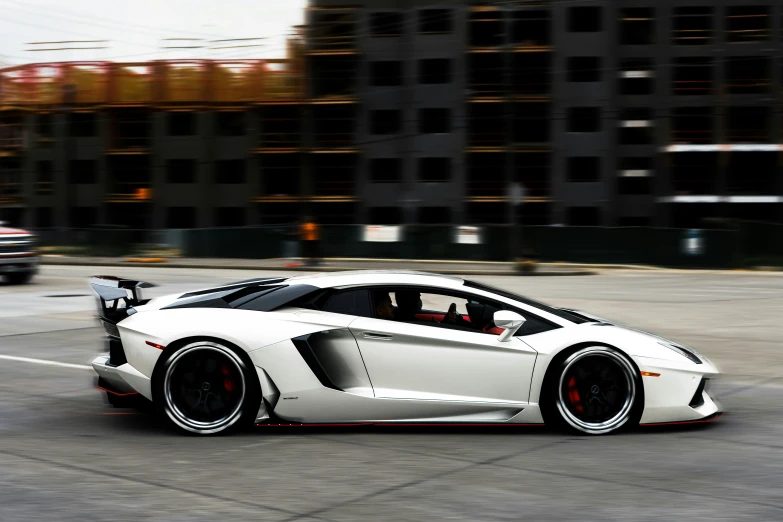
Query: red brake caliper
[228,382]
[573,395]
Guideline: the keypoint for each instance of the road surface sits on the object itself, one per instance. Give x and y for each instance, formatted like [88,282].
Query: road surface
[66,456]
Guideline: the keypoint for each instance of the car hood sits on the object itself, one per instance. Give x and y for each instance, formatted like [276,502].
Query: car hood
[634,334]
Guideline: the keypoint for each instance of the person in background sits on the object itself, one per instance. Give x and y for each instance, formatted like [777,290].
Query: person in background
[310,234]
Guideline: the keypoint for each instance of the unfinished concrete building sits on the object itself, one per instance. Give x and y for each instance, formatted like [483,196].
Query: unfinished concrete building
[621,113]
[614,113]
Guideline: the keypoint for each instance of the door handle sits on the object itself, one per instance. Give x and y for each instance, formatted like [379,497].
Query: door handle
[377,336]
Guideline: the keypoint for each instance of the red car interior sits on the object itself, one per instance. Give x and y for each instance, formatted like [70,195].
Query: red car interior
[438,317]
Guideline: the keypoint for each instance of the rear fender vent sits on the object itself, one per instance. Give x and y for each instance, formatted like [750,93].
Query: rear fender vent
[116,352]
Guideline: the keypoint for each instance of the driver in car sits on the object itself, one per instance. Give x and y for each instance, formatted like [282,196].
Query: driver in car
[452,317]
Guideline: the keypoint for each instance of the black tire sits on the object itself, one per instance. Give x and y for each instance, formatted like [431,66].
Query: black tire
[206,387]
[592,390]
[19,278]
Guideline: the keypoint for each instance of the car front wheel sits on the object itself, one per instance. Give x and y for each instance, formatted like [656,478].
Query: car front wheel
[595,390]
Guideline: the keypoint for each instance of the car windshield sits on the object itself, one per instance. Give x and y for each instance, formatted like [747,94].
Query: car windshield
[568,316]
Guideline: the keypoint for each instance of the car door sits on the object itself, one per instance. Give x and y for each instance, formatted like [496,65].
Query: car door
[422,361]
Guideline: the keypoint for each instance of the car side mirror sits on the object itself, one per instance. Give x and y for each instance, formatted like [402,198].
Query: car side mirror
[509,321]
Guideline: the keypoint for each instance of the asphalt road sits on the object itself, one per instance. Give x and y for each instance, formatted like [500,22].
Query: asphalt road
[67,456]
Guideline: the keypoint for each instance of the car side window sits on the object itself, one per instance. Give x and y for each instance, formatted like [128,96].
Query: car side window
[349,302]
[428,307]
[532,324]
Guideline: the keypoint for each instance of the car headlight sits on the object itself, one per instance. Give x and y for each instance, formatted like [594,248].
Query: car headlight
[682,351]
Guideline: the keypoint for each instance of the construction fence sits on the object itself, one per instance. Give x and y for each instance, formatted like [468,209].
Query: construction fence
[740,245]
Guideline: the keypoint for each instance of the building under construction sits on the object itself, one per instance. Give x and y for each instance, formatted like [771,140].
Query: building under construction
[625,112]
[615,113]
[164,144]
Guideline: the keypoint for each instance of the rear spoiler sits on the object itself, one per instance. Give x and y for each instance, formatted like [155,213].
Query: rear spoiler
[117,296]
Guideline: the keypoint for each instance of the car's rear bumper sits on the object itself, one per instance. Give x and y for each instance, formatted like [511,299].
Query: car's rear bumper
[121,380]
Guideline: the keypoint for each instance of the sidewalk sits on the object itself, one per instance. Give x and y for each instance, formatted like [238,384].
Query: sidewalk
[330,265]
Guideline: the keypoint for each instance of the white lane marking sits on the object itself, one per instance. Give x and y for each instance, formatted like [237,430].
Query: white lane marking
[44,361]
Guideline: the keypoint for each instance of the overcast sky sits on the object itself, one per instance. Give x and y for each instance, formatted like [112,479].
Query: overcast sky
[136,29]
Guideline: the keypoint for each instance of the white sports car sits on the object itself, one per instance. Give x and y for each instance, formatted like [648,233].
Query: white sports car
[371,347]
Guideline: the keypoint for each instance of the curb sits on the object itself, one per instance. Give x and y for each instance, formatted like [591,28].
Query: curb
[146,260]
[71,261]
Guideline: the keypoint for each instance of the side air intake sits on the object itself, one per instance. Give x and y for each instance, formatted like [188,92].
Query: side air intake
[698,397]
[305,349]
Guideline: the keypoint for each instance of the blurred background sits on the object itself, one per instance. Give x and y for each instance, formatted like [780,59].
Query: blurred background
[622,131]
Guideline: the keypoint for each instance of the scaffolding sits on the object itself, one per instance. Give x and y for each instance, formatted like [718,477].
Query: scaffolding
[160,83]
[236,82]
[132,84]
[85,83]
[31,85]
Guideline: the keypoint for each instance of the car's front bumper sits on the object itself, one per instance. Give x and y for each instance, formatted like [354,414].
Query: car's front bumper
[19,262]
[673,391]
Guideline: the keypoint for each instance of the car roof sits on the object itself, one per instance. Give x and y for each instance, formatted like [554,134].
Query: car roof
[377,277]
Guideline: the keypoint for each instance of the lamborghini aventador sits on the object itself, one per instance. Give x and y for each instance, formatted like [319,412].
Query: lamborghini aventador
[387,347]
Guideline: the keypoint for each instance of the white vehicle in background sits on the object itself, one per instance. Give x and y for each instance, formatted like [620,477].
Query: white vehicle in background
[18,256]
[371,347]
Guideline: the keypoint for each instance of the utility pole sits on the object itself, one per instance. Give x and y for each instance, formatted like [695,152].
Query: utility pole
[508,121]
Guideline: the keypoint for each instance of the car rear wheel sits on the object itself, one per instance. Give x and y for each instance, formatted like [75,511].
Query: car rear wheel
[596,390]
[207,388]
